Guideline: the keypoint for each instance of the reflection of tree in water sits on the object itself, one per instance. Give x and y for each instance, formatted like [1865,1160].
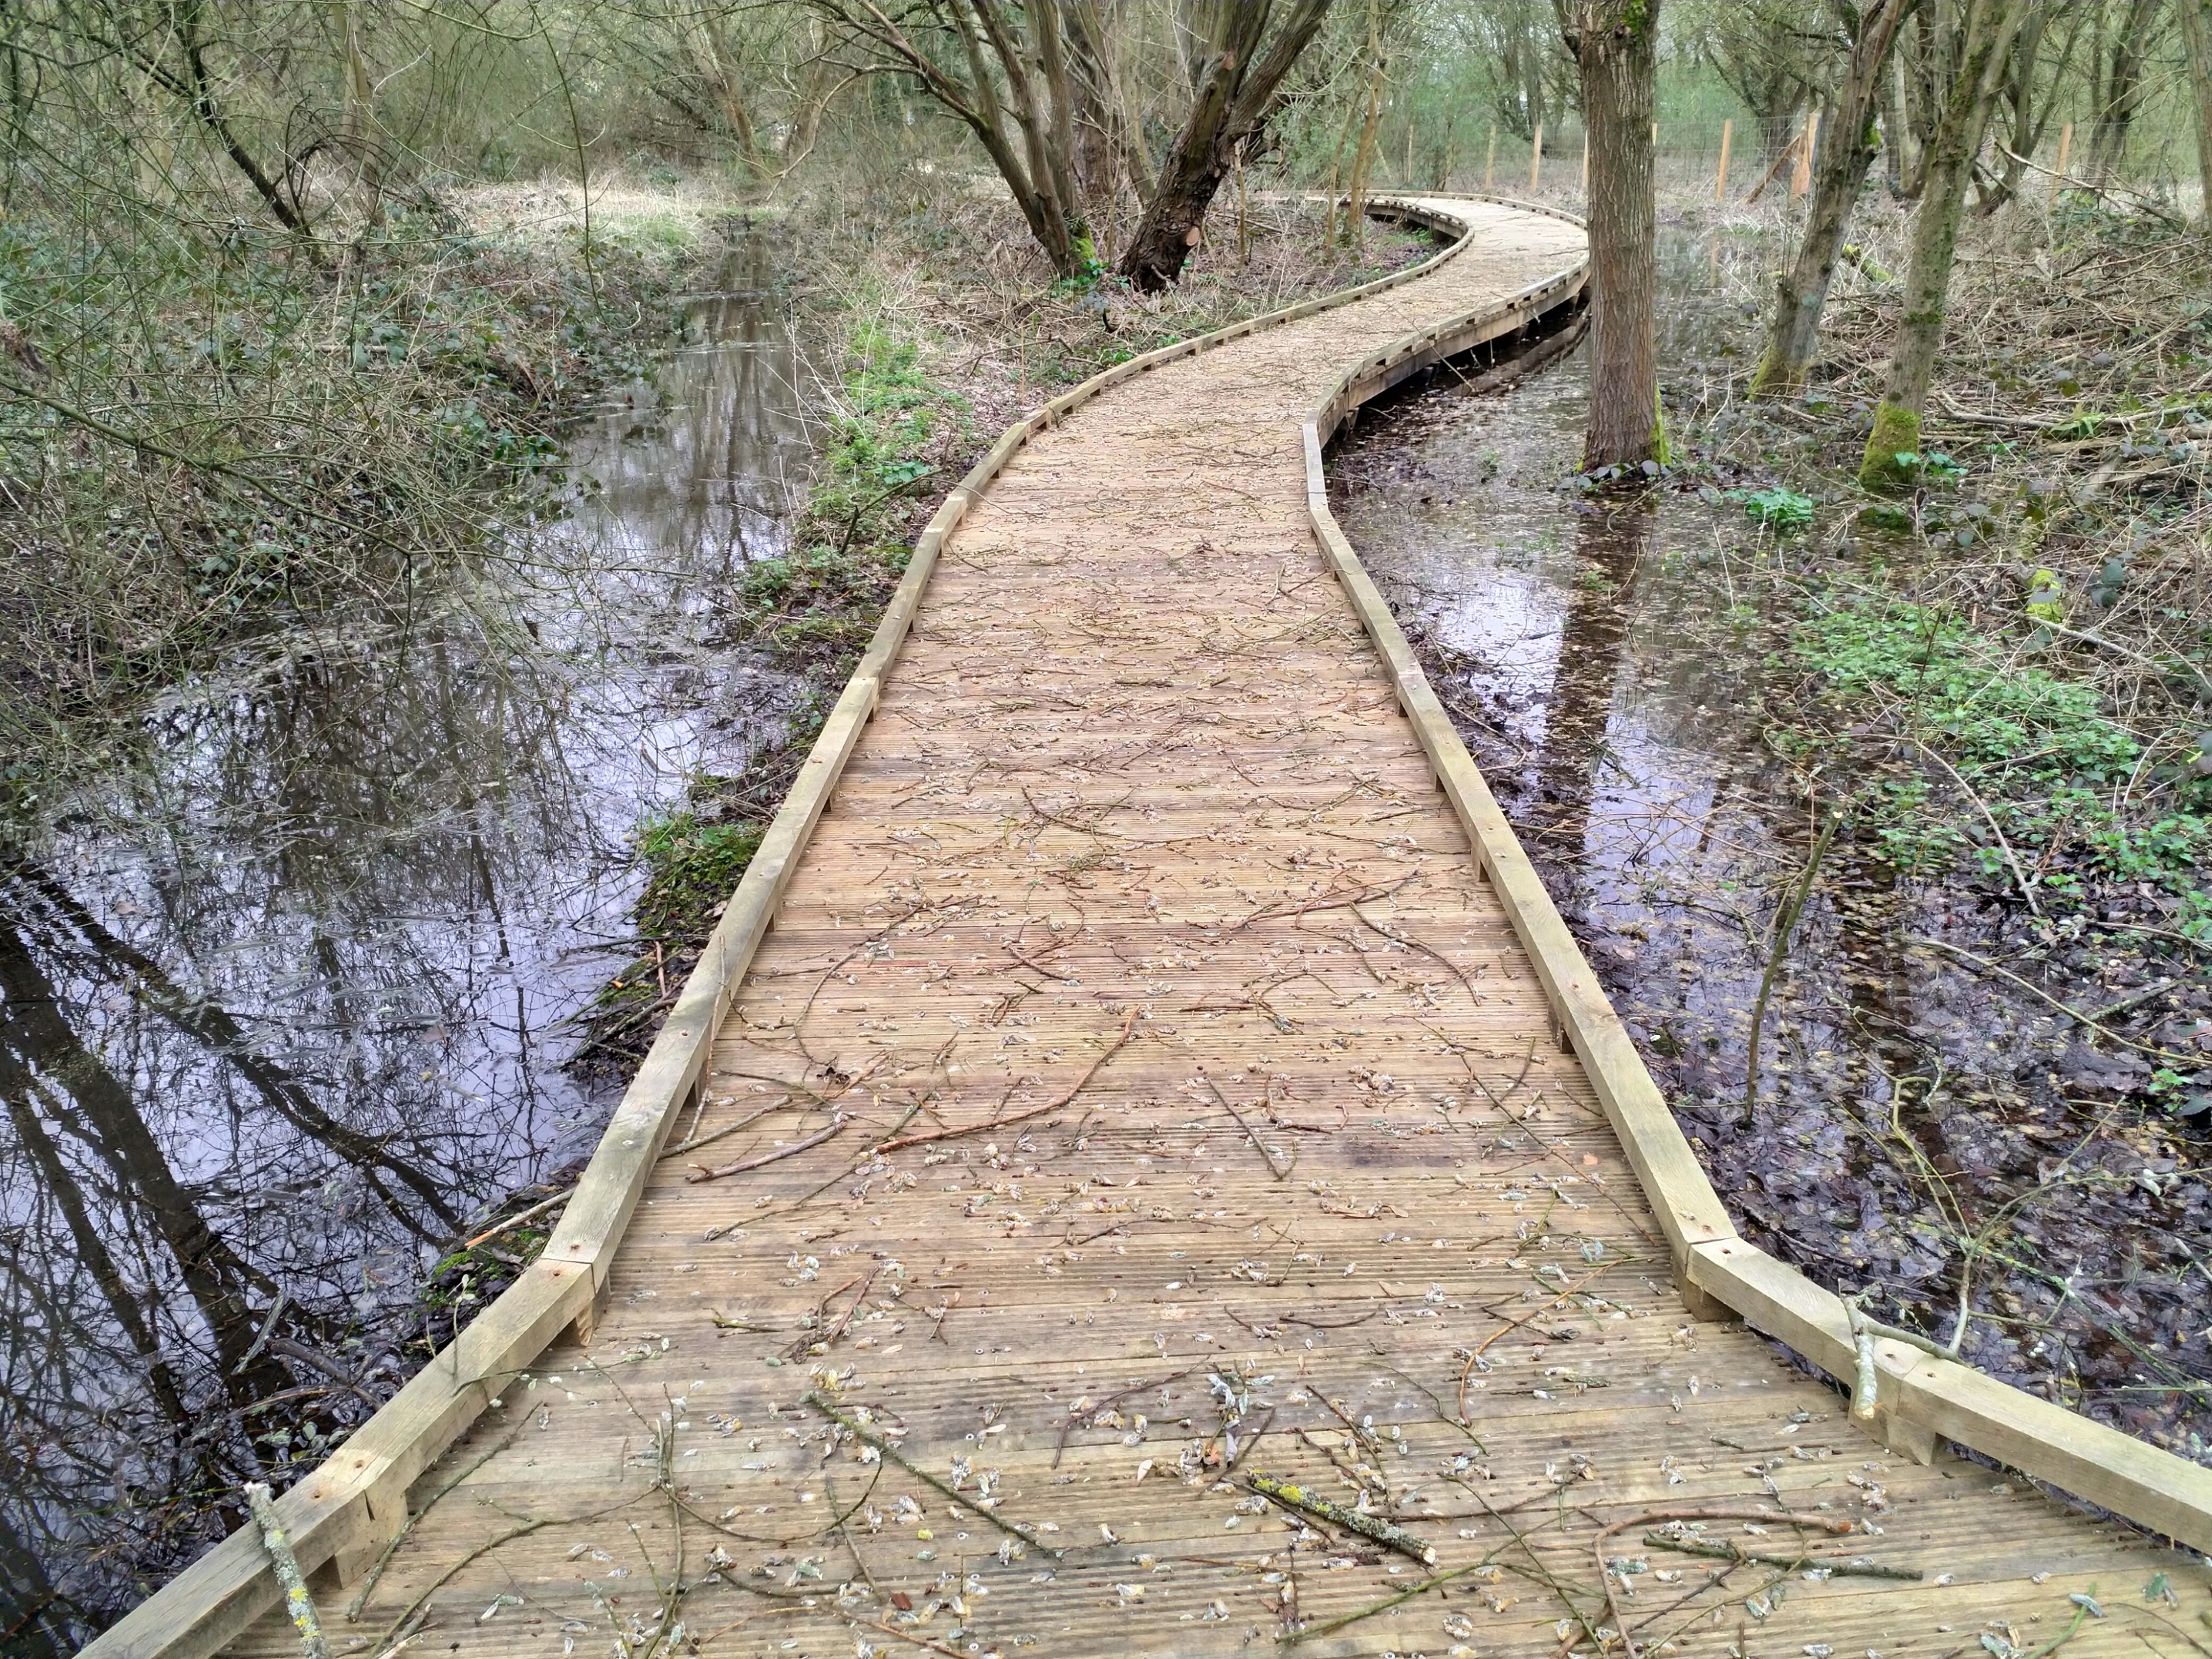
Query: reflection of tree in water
[280,1008]
[206,1171]
[1609,543]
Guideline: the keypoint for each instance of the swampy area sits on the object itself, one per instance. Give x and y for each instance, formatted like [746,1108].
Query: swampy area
[1918,794]
[451,456]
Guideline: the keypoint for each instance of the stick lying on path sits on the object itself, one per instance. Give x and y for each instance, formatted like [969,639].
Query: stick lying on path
[1051,1105]
[701,1173]
[1390,1536]
[1725,1551]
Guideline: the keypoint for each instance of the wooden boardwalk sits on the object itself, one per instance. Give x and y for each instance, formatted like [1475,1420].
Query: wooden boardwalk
[1139,859]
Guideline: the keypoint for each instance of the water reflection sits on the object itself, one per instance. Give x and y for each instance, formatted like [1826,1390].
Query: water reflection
[282,1004]
[1607,662]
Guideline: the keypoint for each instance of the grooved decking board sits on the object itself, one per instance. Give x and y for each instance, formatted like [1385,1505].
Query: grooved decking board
[1137,769]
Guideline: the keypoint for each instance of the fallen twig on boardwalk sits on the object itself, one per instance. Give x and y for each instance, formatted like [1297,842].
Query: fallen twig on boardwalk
[812,1338]
[1384,1605]
[407,1526]
[1467,1370]
[1335,899]
[1385,1532]
[1430,951]
[1280,1171]
[1013,1529]
[696,1141]
[1051,1105]
[1834,1528]
[1728,1551]
[701,1173]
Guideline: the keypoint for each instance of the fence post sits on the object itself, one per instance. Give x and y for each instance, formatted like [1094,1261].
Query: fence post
[1490,161]
[1720,183]
[1536,157]
[2058,173]
[1801,176]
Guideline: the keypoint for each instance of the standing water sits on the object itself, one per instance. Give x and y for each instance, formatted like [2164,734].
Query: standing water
[1909,1126]
[284,1005]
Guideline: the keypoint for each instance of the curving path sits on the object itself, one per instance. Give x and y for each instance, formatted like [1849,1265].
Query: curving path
[1140,854]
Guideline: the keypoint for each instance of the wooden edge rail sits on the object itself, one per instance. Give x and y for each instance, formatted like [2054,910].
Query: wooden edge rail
[340,1517]
[1921,1402]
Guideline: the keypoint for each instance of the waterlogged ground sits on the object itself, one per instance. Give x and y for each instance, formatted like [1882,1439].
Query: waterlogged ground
[284,1007]
[1920,1125]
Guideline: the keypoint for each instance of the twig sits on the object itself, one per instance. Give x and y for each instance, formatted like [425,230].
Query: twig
[2033,989]
[1281,1171]
[514,1221]
[1013,1529]
[728,1129]
[384,1559]
[1384,1605]
[1834,1528]
[701,1173]
[297,1602]
[2011,859]
[1727,1551]
[1385,1532]
[1067,1427]
[1051,1105]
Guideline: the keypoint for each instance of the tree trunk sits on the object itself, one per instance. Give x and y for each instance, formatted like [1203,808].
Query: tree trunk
[2197,40]
[2123,91]
[1614,43]
[1363,159]
[1845,152]
[1237,95]
[726,78]
[1985,43]
[1894,137]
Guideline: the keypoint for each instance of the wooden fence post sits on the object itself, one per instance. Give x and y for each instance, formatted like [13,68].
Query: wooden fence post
[1536,156]
[2058,173]
[1490,161]
[1801,176]
[1720,182]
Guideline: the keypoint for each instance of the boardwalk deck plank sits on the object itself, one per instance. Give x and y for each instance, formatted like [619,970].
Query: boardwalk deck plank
[1139,789]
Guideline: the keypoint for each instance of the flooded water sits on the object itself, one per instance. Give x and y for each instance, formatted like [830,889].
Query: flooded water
[1915,1121]
[284,1007]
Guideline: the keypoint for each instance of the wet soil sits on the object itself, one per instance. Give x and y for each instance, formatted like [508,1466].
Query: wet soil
[286,1005]
[1920,1127]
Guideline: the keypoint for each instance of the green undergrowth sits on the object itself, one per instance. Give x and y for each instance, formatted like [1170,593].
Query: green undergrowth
[896,433]
[694,856]
[1971,749]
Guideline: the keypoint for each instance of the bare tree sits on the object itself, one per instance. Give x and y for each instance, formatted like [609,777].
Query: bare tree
[1001,68]
[1615,42]
[2118,72]
[1846,151]
[1250,46]
[1985,40]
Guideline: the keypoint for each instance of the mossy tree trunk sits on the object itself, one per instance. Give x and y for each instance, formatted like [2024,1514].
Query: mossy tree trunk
[1846,151]
[1986,41]
[1614,43]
